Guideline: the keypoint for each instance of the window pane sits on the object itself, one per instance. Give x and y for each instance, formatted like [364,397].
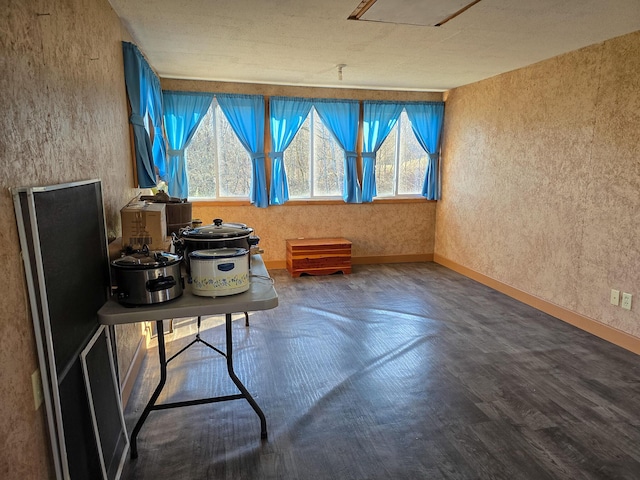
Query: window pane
[216,155]
[297,162]
[328,161]
[233,160]
[413,160]
[200,159]
[385,164]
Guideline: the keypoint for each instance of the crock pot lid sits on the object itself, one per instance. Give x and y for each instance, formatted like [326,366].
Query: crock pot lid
[146,259]
[218,230]
[215,253]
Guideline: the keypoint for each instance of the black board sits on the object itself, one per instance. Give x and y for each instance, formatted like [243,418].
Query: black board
[75,264]
[64,248]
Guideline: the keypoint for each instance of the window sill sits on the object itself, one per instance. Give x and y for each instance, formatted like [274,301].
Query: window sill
[313,201]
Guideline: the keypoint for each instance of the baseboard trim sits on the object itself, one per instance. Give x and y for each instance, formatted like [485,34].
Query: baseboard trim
[610,334]
[374,259]
[364,260]
[134,369]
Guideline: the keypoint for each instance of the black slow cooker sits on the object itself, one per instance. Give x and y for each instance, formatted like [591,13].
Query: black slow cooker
[216,235]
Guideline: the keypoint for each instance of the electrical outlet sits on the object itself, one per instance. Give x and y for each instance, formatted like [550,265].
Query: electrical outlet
[626,300]
[36,384]
[615,297]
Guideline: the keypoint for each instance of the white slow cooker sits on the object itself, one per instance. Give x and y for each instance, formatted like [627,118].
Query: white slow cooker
[218,272]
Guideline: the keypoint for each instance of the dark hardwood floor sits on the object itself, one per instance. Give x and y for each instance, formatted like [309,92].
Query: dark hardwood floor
[407,371]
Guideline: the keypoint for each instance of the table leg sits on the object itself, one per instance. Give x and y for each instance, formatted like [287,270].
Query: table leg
[236,380]
[163,378]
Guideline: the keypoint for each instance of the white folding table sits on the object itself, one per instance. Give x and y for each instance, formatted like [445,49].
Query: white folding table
[260,296]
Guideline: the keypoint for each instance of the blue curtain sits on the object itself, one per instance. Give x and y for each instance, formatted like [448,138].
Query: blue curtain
[183,112]
[155,112]
[246,116]
[287,116]
[426,123]
[138,80]
[341,119]
[379,119]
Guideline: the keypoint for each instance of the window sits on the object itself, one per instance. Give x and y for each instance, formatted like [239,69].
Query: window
[401,162]
[218,166]
[314,161]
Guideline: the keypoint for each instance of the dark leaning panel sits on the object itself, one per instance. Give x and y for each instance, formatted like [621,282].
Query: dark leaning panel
[63,239]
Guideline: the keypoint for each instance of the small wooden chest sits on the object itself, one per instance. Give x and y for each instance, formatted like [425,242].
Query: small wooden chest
[318,256]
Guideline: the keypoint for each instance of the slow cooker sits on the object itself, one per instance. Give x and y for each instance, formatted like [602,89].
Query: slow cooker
[217,235]
[220,271]
[146,277]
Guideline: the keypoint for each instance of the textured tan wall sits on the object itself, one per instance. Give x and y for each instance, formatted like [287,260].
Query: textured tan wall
[64,119]
[541,186]
[374,229]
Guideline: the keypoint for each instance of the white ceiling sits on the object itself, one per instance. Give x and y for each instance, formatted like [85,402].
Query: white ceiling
[301,42]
